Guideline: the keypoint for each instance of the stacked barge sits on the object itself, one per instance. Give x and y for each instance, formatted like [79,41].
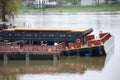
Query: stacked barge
[44,43]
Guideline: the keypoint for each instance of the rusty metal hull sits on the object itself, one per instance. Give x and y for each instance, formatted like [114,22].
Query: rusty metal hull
[86,52]
[22,56]
[92,47]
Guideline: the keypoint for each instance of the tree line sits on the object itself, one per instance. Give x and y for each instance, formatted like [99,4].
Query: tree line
[75,2]
[9,8]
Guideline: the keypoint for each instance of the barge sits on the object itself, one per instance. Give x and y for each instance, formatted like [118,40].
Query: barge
[44,43]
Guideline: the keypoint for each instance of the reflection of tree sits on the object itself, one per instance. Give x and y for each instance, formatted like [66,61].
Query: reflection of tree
[69,65]
[9,77]
[98,2]
[73,2]
[43,5]
[111,1]
[60,2]
[98,21]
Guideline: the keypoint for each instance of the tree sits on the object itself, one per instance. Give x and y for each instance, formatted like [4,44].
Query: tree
[8,8]
[115,1]
[107,1]
[112,1]
[75,2]
[60,3]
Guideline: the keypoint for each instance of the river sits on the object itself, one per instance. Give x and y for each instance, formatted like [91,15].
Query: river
[72,68]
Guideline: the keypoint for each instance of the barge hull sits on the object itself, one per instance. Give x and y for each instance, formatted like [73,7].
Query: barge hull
[25,55]
[93,51]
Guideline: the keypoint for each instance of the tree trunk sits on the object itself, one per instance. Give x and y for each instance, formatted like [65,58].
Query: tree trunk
[107,1]
[60,2]
[4,13]
[98,2]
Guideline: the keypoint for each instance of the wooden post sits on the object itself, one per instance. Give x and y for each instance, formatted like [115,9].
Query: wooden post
[68,53]
[27,59]
[90,51]
[55,58]
[5,57]
[78,53]
[100,51]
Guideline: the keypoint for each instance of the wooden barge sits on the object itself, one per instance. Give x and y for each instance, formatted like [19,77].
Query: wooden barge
[44,43]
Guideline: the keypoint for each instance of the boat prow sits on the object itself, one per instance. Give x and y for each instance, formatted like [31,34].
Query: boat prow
[104,45]
[109,48]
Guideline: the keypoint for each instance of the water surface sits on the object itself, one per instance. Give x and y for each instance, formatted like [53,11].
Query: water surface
[72,68]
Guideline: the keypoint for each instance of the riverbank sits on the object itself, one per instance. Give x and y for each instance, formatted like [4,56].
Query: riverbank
[74,8]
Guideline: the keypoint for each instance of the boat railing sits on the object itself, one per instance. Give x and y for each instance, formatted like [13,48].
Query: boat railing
[91,41]
[105,37]
[90,37]
[102,38]
[33,48]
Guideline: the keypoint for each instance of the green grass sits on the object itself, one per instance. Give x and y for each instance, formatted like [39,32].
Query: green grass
[77,8]
[22,8]
[88,8]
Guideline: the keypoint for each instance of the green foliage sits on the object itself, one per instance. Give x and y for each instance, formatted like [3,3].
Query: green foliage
[75,2]
[12,8]
[9,8]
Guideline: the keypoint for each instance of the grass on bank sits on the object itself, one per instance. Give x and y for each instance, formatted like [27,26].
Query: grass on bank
[77,8]
[89,8]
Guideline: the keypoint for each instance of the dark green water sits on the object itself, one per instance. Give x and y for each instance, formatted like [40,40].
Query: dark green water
[11,69]
[65,65]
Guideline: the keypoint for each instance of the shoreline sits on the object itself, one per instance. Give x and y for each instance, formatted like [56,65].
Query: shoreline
[62,11]
[72,9]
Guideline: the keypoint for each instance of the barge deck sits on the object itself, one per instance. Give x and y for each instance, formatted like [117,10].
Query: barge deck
[23,43]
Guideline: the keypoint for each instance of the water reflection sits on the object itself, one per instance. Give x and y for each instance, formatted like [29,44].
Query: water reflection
[65,65]
[44,70]
[9,77]
[69,20]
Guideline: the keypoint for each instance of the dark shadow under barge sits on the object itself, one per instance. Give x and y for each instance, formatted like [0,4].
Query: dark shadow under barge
[85,52]
[81,52]
[25,56]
